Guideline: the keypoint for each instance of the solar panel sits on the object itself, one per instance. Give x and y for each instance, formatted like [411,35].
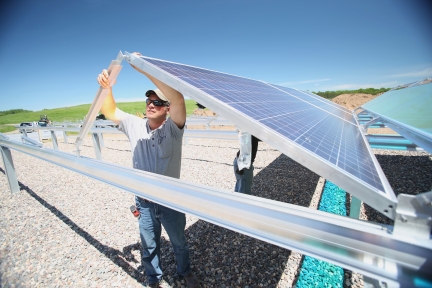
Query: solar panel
[411,106]
[315,132]
[407,111]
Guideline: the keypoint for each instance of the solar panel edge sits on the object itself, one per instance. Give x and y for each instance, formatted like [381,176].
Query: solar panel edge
[224,73]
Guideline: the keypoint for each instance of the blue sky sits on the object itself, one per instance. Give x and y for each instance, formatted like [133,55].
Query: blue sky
[51,51]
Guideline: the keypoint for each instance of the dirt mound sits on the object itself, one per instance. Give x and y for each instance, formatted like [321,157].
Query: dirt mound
[352,101]
[203,112]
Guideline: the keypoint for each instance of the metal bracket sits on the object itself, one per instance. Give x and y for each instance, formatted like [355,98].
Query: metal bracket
[366,125]
[27,140]
[358,108]
[414,216]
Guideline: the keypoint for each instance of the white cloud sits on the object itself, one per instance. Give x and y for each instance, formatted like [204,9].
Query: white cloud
[418,74]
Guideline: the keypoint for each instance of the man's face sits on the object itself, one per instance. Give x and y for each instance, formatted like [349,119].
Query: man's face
[156,112]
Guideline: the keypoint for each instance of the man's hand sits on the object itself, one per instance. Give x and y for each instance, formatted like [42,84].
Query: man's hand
[103,80]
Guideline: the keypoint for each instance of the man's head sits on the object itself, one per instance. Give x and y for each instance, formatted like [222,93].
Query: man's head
[157,106]
[159,95]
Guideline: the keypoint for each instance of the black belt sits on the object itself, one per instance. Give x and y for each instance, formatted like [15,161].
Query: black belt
[145,200]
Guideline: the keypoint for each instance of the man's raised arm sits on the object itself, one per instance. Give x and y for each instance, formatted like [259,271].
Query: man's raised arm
[109,107]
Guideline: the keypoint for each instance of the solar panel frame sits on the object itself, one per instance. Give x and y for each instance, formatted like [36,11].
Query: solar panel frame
[383,202]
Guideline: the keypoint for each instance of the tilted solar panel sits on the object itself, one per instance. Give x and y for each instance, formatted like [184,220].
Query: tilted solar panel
[407,111]
[315,132]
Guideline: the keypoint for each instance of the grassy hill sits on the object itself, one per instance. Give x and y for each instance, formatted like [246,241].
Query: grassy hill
[73,114]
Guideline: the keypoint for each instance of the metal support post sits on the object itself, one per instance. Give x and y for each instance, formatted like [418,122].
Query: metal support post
[10,170]
[97,145]
[65,138]
[24,132]
[355,207]
[101,140]
[54,140]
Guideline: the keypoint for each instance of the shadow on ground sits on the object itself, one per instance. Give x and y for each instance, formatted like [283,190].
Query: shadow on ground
[406,174]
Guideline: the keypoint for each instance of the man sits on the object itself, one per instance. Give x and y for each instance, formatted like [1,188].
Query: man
[244,177]
[156,143]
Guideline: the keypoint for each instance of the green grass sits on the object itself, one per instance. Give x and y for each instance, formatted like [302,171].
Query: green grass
[6,128]
[77,113]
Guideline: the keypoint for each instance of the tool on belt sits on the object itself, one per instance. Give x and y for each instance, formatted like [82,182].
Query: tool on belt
[134,211]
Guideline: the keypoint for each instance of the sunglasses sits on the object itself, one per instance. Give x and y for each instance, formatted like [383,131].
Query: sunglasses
[157,102]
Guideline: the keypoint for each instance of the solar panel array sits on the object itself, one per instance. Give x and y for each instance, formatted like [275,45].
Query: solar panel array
[323,128]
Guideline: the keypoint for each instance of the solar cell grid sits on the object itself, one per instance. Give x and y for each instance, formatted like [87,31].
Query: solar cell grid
[291,127]
[325,129]
[322,103]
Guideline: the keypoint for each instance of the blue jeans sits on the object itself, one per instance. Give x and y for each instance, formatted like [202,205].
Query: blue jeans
[244,181]
[152,215]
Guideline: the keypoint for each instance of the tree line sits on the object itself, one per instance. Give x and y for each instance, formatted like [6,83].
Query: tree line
[13,111]
[332,94]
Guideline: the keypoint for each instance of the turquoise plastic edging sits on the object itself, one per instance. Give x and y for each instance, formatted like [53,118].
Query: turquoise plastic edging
[314,272]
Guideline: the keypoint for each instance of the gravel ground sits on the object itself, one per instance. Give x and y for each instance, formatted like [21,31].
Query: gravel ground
[66,230]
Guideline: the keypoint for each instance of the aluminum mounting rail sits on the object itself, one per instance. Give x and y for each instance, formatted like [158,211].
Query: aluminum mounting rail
[368,248]
[92,129]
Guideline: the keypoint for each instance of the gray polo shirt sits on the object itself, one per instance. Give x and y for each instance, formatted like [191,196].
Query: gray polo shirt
[157,151]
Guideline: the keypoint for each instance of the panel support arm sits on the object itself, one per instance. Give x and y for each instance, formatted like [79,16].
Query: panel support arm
[414,215]
[113,71]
